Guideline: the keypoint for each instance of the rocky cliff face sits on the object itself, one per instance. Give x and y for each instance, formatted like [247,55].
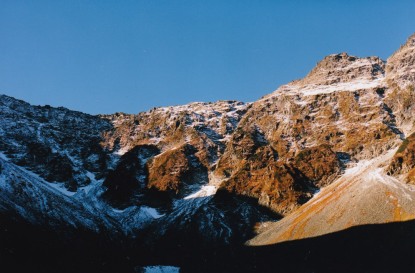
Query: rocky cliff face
[400,66]
[58,144]
[129,171]
[210,171]
[302,136]
[403,162]
[400,77]
[189,140]
[207,126]
[381,159]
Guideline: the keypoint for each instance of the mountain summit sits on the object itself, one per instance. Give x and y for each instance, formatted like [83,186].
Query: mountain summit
[400,66]
[343,68]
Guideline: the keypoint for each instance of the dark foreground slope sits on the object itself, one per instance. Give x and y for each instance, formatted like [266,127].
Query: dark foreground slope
[369,248]
[28,248]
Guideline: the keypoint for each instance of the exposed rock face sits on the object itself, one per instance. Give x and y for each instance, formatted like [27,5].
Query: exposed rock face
[128,170]
[400,66]
[26,196]
[310,128]
[400,76]
[342,68]
[177,170]
[319,164]
[190,139]
[58,144]
[130,177]
[218,221]
[403,163]
[206,126]
[365,194]
[350,200]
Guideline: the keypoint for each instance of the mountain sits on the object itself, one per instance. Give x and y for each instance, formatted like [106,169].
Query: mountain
[374,187]
[189,185]
[305,133]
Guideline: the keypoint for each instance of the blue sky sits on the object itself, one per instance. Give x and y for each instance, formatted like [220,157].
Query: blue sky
[129,56]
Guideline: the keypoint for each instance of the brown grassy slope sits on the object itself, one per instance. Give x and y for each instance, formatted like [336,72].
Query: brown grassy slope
[171,170]
[364,195]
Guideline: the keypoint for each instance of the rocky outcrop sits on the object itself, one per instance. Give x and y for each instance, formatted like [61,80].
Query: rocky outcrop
[343,68]
[319,164]
[128,180]
[251,167]
[206,126]
[177,171]
[307,130]
[400,66]
[350,199]
[365,194]
[403,162]
[189,138]
[58,144]
[400,77]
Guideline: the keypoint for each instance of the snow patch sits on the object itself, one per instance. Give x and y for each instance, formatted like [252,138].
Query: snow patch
[121,151]
[152,212]
[349,86]
[94,183]
[3,156]
[119,210]
[91,176]
[161,269]
[39,132]
[356,168]
[205,191]
[61,188]
[379,176]
[313,89]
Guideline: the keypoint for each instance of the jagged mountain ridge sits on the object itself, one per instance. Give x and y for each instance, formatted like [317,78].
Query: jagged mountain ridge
[58,144]
[121,190]
[373,189]
[169,168]
[310,130]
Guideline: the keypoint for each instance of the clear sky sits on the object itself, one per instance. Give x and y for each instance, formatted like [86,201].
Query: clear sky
[129,56]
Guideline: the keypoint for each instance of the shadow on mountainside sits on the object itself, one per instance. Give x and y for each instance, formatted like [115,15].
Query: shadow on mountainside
[369,248]
[58,144]
[31,248]
[202,229]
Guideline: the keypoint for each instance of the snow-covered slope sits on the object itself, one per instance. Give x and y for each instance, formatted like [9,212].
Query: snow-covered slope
[40,202]
[56,143]
[209,123]
[65,168]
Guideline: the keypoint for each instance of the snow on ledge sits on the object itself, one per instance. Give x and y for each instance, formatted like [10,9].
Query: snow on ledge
[349,86]
[3,156]
[203,192]
[312,89]
[61,188]
[143,211]
[121,151]
[152,212]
